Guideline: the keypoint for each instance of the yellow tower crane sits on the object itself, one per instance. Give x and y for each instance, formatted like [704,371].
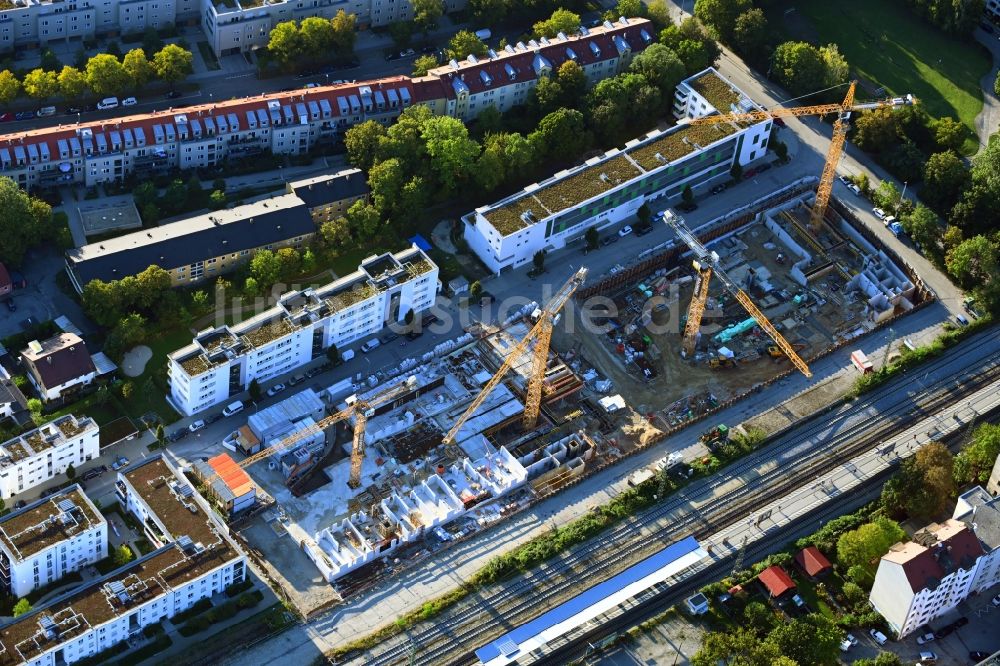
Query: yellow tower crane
[703,257]
[840,128]
[360,409]
[541,335]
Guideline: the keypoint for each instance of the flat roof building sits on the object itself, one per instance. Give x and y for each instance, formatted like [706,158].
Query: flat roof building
[609,189]
[49,538]
[197,248]
[222,361]
[38,455]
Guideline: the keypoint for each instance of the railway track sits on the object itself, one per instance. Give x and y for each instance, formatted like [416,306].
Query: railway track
[709,509]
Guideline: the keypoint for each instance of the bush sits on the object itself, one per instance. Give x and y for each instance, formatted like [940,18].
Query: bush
[194,626]
[221,613]
[236,588]
[250,599]
[152,630]
[199,607]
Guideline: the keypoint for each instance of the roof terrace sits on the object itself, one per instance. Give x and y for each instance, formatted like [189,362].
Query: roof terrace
[47,522]
[52,434]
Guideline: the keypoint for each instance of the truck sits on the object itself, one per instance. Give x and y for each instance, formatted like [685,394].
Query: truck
[861,362]
[715,436]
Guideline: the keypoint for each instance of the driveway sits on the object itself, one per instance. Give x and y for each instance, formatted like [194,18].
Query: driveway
[42,299]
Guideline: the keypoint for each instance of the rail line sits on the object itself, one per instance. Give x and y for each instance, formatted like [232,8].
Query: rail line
[522,598]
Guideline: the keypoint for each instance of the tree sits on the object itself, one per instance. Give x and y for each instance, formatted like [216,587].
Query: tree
[151,213]
[759,617]
[692,43]
[488,12]
[317,37]
[630,9]
[573,82]
[621,104]
[974,261]
[660,66]
[408,317]
[559,134]
[538,259]
[289,262]
[365,221]
[385,179]
[255,390]
[344,32]
[72,82]
[426,13]
[452,152]
[71,472]
[505,155]
[34,405]
[857,574]
[945,178]
[736,172]
[138,67]
[924,485]
[811,640]
[905,161]
[265,268]
[836,68]
[172,64]
[250,286]
[22,607]
[40,84]
[751,35]
[362,143]
[721,14]
[106,76]
[151,42]
[50,61]
[122,555]
[593,237]
[160,434]
[974,463]
[687,195]
[421,66]
[464,44]
[332,354]
[798,66]
[334,233]
[863,546]
[949,134]
[285,43]
[886,195]
[9,86]
[476,289]
[194,190]
[923,226]
[644,215]
[217,200]
[26,221]
[742,647]
[658,11]
[562,20]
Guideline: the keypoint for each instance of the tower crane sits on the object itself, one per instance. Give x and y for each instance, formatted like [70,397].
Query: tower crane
[541,334]
[840,127]
[360,409]
[707,264]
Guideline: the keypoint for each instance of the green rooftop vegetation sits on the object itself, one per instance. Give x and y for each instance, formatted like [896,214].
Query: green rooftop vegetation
[507,219]
[679,143]
[718,93]
[346,299]
[419,267]
[268,332]
[589,183]
[196,365]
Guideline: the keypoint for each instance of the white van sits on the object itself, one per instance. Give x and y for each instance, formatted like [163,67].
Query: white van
[370,345]
[108,103]
[233,408]
[47,111]
[349,354]
[877,636]
[484,34]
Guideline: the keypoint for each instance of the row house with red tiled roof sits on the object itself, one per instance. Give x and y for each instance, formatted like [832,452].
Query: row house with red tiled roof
[503,79]
[197,136]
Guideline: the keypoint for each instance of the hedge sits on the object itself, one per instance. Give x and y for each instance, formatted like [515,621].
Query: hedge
[250,599]
[221,613]
[235,589]
[161,643]
[199,607]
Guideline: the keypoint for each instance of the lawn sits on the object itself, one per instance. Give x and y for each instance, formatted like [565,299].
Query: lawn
[887,44]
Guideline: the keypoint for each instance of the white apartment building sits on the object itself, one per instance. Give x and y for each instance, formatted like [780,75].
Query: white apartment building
[609,189]
[195,559]
[47,539]
[43,453]
[222,361]
[923,579]
[504,78]
[35,23]
[293,122]
[981,512]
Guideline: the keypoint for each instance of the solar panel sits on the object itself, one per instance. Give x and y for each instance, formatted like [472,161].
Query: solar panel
[508,647]
[66,505]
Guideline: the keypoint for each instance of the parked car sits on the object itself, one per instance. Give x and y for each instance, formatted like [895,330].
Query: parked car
[173,94]
[926,638]
[196,426]
[130,101]
[429,319]
[878,636]
[370,345]
[275,390]
[296,379]
[312,372]
[408,53]
[46,111]
[24,115]
[214,417]
[642,231]
[928,657]
[854,188]
[72,110]
[944,632]
[844,179]
[6,117]
[686,207]
[798,601]
[108,103]
[879,213]
[178,435]
[848,642]
[233,408]
[91,474]
[625,231]
[311,85]
[996,600]
[389,337]
[718,189]
[120,463]
[986,26]
[20,504]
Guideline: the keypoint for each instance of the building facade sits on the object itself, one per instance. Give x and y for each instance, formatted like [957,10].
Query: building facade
[194,559]
[294,122]
[43,453]
[923,579]
[329,196]
[49,538]
[222,361]
[980,511]
[609,189]
[59,365]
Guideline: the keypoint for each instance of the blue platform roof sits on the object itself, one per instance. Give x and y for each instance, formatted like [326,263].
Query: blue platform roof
[421,242]
[509,644]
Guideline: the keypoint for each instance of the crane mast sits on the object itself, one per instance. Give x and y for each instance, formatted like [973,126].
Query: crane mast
[704,257]
[541,335]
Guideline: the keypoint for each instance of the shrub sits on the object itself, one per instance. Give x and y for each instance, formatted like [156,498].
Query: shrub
[152,630]
[236,588]
[199,607]
[250,599]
